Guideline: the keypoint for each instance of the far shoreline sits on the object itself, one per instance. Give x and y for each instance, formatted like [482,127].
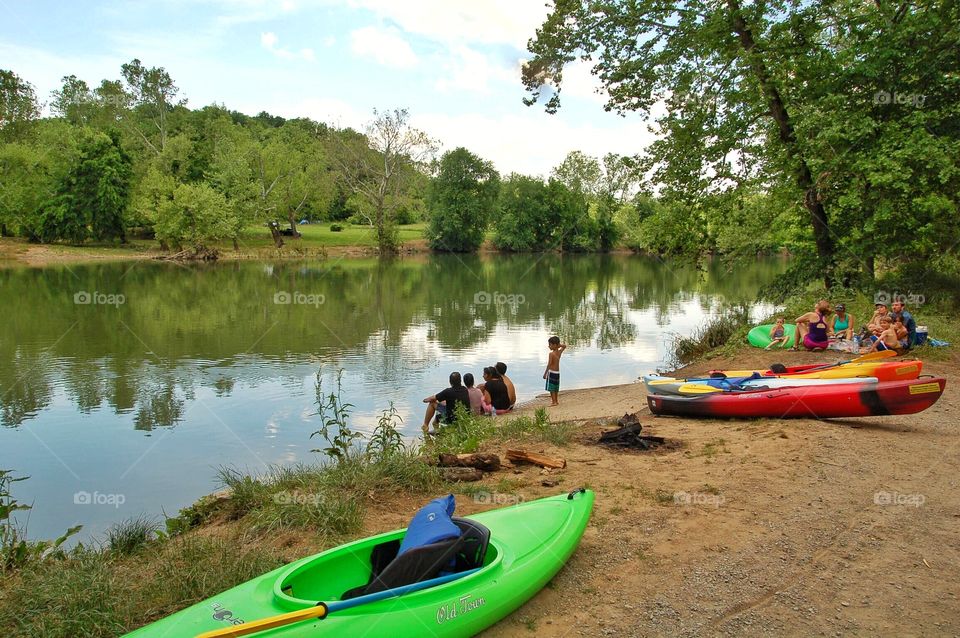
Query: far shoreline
[17,252]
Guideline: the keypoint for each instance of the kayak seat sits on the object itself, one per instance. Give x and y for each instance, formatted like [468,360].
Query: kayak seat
[425,562]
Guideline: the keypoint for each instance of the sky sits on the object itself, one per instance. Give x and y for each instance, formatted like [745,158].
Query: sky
[454,64]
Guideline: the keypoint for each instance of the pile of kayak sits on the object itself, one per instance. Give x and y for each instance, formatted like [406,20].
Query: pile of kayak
[871,385]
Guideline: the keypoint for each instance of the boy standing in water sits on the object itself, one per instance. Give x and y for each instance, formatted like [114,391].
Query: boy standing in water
[552,373]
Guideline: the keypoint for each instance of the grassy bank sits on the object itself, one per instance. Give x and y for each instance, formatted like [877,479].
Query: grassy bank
[139,573]
[317,240]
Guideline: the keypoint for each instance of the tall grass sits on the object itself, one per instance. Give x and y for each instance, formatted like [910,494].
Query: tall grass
[102,594]
[713,334]
[469,431]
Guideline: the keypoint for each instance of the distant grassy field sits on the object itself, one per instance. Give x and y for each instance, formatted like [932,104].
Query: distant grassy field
[320,236]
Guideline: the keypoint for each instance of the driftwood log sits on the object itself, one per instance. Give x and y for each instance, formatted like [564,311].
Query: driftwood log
[461,474]
[483,461]
[536,459]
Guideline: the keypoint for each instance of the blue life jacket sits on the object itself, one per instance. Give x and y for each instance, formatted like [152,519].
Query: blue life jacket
[431,524]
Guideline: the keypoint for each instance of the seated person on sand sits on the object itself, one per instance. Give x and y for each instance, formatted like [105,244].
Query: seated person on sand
[888,337]
[812,331]
[843,324]
[778,335]
[873,326]
[476,395]
[512,391]
[444,404]
[909,337]
[495,395]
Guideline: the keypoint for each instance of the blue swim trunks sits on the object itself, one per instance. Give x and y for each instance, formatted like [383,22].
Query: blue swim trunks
[553,381]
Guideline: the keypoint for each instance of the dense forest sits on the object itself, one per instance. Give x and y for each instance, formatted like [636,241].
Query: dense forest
[828,130]
[841,114]
[129,158]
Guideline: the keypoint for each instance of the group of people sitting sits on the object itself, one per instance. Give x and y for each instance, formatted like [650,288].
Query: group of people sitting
[893,329]
[495,395]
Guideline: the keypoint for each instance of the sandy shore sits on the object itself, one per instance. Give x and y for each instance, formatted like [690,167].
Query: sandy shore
[786,531]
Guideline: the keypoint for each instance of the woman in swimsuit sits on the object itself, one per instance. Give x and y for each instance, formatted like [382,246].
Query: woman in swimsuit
[843,324]
[812,329]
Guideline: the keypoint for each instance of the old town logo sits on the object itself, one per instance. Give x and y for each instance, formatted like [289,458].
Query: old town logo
[225,615]
[453,610]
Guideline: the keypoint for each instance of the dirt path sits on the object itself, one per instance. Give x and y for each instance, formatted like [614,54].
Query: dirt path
[764,527]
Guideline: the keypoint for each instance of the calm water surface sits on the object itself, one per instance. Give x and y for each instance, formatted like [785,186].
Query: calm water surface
[126,385]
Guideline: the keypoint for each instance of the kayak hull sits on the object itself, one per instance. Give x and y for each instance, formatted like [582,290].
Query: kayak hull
[529,543]
[818,402]
[759,336]
[682,387]
[883,370]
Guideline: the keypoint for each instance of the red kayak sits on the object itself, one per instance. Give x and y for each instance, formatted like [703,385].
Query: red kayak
[818,402]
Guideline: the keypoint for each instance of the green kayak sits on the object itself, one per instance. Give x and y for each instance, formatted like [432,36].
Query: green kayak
[524,546]
[759,336]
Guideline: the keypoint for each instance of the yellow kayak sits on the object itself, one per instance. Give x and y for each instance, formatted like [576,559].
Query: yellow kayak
[883,370]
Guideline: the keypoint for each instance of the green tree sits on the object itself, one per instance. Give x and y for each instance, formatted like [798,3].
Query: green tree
[152,93]
[379,169]
[18,105]
[74,101]
[461,199]
[92,197]
[762,94]
[193,218]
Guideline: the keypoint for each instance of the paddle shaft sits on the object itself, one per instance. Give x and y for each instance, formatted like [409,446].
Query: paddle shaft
[323,609]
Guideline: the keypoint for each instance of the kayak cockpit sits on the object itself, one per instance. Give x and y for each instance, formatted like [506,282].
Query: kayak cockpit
[373,565]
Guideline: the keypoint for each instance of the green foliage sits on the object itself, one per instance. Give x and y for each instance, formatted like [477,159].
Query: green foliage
[834,110]
[334,416]
[533,216]
[194,217]
[92,197]
[129,536]
[336,228]
[18,105]
[461,200]
[386,440]
[713,334]
[470,431]
[15,550]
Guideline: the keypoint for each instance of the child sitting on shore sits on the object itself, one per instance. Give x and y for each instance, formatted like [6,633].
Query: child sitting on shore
[888,337]
[778,335]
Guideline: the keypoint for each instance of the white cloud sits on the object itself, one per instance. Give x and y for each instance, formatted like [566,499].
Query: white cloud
[465,68]
[269,41]
[532,143]
[487,21]
[385,45]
